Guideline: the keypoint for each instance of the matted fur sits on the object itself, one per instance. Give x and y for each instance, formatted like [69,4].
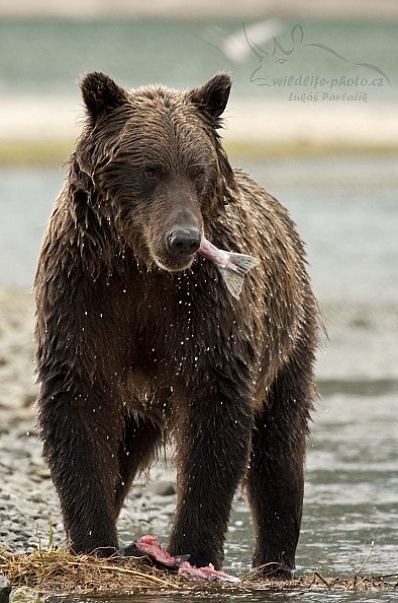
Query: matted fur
[135,344]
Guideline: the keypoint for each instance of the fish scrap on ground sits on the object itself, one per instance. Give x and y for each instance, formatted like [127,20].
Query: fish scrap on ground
[150,547]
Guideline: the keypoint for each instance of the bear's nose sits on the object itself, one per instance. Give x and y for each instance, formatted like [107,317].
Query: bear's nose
[183,241]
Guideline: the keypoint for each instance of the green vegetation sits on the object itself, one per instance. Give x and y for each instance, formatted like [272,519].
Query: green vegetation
[34,152]
[55,151]
[303,148]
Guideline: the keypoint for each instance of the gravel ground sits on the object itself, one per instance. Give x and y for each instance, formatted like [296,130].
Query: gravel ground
[28,501]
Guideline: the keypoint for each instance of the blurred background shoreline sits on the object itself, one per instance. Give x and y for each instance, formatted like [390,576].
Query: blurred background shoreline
[205,9]
[180,44]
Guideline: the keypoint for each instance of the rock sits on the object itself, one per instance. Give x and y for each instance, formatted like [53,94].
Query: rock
[5,589]
[26,595]
[163,488]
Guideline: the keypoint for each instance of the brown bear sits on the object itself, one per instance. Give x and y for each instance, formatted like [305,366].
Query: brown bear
[139,340]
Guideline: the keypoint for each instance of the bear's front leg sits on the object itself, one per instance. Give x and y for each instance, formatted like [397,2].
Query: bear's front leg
[276,476]
[81,433]
[213,442]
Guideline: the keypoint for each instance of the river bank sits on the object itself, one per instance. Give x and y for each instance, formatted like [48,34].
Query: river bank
[42,130]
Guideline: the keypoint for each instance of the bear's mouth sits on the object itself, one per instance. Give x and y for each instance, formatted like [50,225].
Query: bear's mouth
[178,248]
[174,263]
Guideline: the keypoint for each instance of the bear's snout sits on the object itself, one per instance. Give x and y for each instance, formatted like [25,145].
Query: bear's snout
[183,241]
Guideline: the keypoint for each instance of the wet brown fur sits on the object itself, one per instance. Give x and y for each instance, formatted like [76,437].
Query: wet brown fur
[134,345]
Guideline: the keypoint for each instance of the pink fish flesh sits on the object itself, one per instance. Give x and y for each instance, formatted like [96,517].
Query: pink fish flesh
[151,547]
[232,266]
[205,573]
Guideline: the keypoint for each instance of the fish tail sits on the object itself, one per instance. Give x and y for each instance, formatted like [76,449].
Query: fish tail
[234,274]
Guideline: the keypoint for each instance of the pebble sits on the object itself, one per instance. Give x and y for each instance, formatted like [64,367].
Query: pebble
[26,595]
[5,589]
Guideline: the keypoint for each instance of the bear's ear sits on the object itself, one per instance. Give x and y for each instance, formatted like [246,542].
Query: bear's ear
[101,94]
[212,97]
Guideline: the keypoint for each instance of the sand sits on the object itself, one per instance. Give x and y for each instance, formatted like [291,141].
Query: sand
[247,121]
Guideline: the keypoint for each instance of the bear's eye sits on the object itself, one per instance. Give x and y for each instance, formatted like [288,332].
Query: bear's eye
[199,179]
[151,173]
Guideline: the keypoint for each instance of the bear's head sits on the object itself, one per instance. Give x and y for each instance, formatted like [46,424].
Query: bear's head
[150,162]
